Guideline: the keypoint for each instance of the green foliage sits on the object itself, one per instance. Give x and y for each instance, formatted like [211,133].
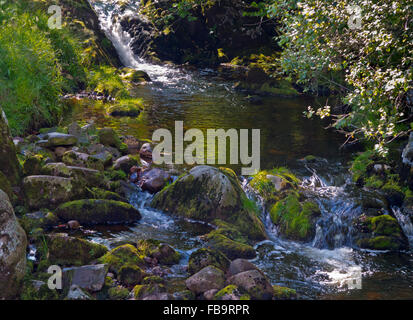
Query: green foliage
[107,80]
[371,65]
[361,164]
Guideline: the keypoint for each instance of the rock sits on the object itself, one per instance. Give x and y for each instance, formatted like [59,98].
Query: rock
[96,193]
[122,256]
[56,139]
[80,175]
[65,250]
[229,293]
[50,191]
[9,164]
[73,225]
[76,293]
[12,249]
[118,293]
[379,233]
[108,137]
[91,278]
[210,294]
[283,293]
[60,151]
[207,193]
[105,157]
[151,292]
[279,183]
[154,180]
[6,186]
[256,75]
[407,155]
[79,159]
[162,252]
[33,164]
[80,133]
[232,249]
[254,283]
[240,265]
[130,274]
[125,163]
[207,257]
[98,211]
[207,279]
[146,152]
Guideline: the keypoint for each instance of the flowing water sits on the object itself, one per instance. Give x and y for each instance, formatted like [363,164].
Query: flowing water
[326,268]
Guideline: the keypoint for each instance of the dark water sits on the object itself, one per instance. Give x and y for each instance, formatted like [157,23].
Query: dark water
[201,99]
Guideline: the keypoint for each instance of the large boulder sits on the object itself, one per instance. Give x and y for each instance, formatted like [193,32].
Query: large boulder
[98,211]
[207,257]
[12,250]
[207,193]
[154,180]
[9,164]
[66,250]
[254,283]
[207,279]
[50,191]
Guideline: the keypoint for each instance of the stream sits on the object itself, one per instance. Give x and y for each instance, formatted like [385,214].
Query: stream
[202,99]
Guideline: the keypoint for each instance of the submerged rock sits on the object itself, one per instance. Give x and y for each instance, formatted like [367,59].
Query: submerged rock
[98,211]
[12,250]
[207,193]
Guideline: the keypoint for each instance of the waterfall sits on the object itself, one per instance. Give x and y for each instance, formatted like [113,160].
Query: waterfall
[405,223]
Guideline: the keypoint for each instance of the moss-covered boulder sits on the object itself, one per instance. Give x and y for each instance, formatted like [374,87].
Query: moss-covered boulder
[130,274]
[12,250]
[71,251]
[379,233]
[9,165]
[231,292]
[50,191]
[97,193]
[33,164]
[296,220]
[6,186]
[98,211]
[207,257]
[206,279]
[232,249]
[208,193]
[118,293]
[108,137]
[253,282]
[150,292]
[122,256]
[162,252]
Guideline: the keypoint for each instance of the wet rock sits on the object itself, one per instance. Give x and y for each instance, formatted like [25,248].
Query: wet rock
[98,211]
[254,283]
[76,293]
[91,278]
[97,193]
[33,164]
[79,159]
[68,251]
[231,248]
[105,157]
[240,265]
[146,152]
[379,233]
[12,250]
[207,193]
[151,292]
[118,293]
[210,294]
[50,191]
[207,279]
[207,257]
[154,180]
[122,256]
[55,139]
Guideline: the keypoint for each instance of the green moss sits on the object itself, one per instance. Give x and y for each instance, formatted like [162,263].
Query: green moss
[6,186]
[232,249]
[121,256]
[33,164]
[29,292]
[295,220]
[207,257]
[361,164]
[64,250]
[283,293]
[97,193]
[130,274]
[374,182]
[141,291]
[164,253]
[228,290]
[118,293]
[153,280]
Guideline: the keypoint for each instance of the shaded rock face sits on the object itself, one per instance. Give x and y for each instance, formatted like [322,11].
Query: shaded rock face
[207,193]
[9,165]
[218,25]
[13,243]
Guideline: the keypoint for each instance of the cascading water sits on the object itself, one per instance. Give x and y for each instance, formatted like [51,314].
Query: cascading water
[318,269]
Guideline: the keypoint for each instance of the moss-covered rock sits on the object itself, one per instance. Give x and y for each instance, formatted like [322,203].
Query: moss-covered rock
[33,164]
[71,251]
[232,249]
[284,293]
[254,283]
[118,293]
[163,253]
[50,191]
[230,292]
[122,256]
[6,186]
[130,274]
[208,278]
[207,257]
[78,159]
[141,292]
[296,220]
[38,290]
[208,193]
[380,233]
[108,137]
[98,211]
[97,193]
